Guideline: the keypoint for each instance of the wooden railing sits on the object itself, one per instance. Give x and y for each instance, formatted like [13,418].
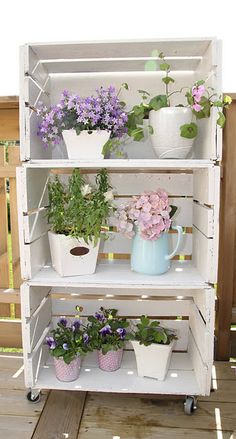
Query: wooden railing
[10,280]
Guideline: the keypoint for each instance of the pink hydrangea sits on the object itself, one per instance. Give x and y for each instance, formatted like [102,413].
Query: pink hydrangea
[149,213]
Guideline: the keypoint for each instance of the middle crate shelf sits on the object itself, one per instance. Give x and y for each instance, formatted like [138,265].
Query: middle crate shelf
[193,191]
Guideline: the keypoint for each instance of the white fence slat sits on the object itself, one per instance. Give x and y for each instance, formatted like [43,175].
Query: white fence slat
[131,308]
[203,219]
[204,256]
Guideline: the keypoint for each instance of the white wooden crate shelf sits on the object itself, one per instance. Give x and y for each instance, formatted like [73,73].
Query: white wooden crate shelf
[115,273]
[180,376]
[139,164]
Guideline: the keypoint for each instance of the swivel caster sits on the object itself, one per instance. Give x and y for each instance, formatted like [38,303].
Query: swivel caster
[33,396]
[190,405]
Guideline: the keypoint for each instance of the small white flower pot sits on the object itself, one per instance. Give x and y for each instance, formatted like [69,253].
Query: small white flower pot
[71,256]
[87,145]
[153,361]
[166,139]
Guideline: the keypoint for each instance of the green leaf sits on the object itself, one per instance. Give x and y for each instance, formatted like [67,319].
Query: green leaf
[150,65]
[218,103]
[221,119]
[125,86]
[227,100]
[143,92]
[189,130]
[161,55]
[137,134]
[165,66]
[144,320]
[167,80]
[173,210]
[200,82]
[150,129]
[158,102]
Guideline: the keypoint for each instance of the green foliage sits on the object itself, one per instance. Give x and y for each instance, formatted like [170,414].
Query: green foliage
[67,340]
[189,130]
[107,331]
[221,119]
[80,210]
[173,210]
[149,331]
[158,102]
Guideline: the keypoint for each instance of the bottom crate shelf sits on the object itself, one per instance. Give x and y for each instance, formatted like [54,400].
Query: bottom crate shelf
[180,380]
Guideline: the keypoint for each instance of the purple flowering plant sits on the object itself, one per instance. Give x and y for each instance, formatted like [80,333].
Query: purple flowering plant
[200,98]
[68,340]
[107,331]
[102,111]
[148,213]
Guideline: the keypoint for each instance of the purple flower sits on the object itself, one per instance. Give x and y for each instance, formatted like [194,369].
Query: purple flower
[106,330]
[76,325]
[86,338]
[100,317]
[63,321]
[121,332]
[51,342]
[65,346]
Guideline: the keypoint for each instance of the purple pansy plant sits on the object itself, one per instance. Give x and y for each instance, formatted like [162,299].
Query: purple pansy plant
[107,331]
[68,340]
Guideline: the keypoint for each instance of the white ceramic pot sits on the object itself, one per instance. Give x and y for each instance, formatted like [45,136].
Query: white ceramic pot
[72,256]
[87,145]
[153,361]
[166,139]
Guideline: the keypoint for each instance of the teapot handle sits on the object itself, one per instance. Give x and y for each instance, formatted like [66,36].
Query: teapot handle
[179,241]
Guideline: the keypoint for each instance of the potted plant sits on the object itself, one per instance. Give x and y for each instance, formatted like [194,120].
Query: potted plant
[77,214]
[67,343]
[108,334]
[147,219]
[153,346]
[85,123]
[172,128]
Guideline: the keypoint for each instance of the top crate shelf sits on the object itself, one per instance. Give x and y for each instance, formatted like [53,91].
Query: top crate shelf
[80,67]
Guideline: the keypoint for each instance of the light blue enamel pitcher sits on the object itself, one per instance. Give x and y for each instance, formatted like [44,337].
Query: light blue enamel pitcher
[153,257]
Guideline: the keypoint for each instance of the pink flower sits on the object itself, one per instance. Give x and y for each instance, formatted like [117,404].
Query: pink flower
[198,92]
[197,107]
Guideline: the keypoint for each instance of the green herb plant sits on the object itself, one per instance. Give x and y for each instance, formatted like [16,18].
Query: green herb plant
[149,331]
[78,209]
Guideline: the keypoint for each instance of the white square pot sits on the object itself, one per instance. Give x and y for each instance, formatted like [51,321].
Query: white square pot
[72,256]
[153,361]
[87,145]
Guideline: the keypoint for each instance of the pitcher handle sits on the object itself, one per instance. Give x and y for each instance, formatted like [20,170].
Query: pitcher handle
[179,241]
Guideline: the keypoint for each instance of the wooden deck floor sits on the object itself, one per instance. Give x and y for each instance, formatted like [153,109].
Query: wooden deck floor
[75,415]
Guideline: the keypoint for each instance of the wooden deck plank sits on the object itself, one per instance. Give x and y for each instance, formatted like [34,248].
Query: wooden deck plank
[62,415]
[17,427]
[14,403]
[140,432]
[117,410]
[225,391]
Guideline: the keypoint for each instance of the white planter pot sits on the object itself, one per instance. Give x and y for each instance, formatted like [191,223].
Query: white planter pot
[166,139]
[153,361]
[85,146]
[71,256]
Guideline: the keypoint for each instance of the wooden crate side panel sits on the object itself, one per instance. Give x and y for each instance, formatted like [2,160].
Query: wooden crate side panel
[32,330]
[200,369]
[202,336]
[35,256]
[204,256]
[204,186]
[203,219]
[36,360]
[205,302]
[35,225]
[35,194]
[4,262]
[31,299]
[31,64]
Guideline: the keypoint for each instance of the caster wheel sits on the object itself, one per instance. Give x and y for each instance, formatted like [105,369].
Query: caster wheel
[189,405]
[33,397]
